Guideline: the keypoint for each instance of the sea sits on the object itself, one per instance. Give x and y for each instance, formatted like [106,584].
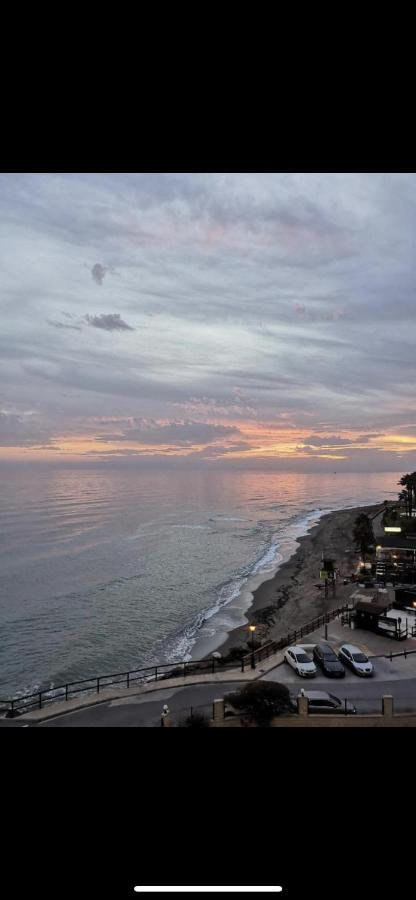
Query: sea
[106,571]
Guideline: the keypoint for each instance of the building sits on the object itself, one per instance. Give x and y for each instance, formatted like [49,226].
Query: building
[371,613]
[396,558]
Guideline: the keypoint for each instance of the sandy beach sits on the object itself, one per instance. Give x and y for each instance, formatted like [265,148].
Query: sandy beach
[291,598]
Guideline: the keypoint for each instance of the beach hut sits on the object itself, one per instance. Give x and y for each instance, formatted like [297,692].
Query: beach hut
[371,614]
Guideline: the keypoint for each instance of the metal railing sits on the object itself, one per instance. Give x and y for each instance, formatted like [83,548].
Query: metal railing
[253,657]
[146,675]
[38,699]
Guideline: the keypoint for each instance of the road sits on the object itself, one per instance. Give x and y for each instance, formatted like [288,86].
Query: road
[133,712]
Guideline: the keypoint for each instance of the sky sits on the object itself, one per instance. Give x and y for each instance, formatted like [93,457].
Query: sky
[218,320]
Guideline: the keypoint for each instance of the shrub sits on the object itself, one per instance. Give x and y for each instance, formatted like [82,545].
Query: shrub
[195,720]
[261,701]
[236,653]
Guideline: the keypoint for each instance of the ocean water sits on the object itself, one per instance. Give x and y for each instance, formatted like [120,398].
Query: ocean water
[101,572]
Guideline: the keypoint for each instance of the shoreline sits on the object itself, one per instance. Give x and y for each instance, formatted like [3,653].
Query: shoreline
[289,598]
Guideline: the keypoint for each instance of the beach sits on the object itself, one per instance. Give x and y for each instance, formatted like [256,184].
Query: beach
[290,598]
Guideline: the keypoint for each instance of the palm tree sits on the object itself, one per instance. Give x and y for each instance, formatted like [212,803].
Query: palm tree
[408,482]
[363,534]
[412,479]
[404,498]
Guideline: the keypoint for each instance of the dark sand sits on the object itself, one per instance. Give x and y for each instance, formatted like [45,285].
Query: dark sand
[291,599]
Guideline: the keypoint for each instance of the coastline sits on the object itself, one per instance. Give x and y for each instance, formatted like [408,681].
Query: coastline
[289,598]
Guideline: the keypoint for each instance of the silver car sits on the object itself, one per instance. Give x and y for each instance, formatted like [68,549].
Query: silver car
[323,703]
[356,660]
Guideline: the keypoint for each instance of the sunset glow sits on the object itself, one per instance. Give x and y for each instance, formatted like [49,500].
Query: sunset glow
[218,319]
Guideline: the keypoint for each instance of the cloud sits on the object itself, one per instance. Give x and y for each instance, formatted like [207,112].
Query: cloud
[22,430]
[183,434]
[216,452]
[334,440]
[212,406]
[109,322]
[298,287]
[98,272]
[330,315]
[62,325]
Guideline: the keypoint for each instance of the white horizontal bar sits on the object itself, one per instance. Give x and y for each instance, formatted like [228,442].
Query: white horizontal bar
[210,889]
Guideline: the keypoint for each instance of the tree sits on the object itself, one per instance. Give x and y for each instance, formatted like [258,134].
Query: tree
[412,481]
[409,483]
[404,498]
[390,516]
[261,701]
[363,534]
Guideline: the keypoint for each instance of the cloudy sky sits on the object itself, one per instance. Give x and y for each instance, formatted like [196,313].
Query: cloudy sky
[244,320]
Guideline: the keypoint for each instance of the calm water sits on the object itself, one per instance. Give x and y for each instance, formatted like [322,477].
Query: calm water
[105,571]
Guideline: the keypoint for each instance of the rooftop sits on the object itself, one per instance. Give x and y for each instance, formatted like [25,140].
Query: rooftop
[376,605]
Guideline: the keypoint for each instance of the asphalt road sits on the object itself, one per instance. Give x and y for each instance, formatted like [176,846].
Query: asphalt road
[134,712]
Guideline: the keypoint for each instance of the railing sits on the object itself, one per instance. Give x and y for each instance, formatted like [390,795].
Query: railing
[271,647]
[38,699]
[148,674]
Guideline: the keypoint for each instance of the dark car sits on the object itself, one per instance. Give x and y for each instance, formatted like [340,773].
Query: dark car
[327,660]
[321,703]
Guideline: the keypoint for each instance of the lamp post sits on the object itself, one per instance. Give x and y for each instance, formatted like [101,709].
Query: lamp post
[252,628]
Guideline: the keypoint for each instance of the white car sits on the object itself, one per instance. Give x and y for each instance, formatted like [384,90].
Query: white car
[300,662]
[355,659]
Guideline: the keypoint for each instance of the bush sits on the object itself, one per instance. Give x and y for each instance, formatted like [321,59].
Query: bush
[261,701]
[196,720]
[236,654]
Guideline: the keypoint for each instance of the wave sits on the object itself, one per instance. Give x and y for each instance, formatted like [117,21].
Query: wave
[193,527]
[177,646]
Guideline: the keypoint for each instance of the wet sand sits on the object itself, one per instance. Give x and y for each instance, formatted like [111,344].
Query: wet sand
[290,598]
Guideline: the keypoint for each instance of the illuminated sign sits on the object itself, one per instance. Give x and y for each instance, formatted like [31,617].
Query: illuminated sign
[391,529]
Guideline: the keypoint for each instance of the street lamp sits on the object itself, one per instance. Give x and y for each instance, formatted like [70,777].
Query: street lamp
[252,628]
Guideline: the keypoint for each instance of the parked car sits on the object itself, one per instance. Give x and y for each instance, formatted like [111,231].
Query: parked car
[356,660]
[300,661]
[321,702]
[326,658]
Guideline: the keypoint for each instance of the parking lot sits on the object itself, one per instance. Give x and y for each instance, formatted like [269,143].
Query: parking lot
[384,670]
[396,677]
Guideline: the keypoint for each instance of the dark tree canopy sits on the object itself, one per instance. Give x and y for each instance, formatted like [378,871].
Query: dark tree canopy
[261,700]
[408,495]
[363,533]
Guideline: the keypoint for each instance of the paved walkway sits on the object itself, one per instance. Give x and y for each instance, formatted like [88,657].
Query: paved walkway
[153,688]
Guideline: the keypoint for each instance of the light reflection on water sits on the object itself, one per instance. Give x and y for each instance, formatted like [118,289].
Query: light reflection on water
[103,571]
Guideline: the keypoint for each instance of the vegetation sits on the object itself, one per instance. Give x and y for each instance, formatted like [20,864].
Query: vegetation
[391,516]
[408,496]
[195,720]
[363,534]
[235,654]
[261,701]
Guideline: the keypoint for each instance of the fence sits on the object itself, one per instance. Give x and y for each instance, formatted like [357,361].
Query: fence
[148,674]
[38,699]
[255,656]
